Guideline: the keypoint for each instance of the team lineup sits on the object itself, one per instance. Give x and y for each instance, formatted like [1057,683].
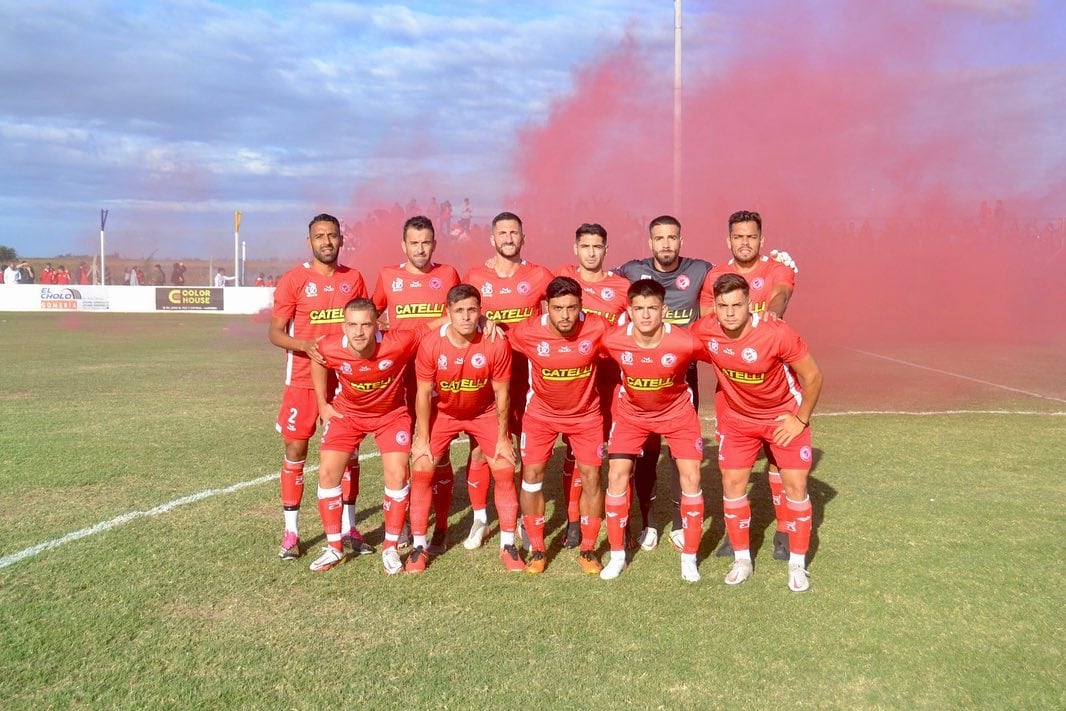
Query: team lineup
[605,360]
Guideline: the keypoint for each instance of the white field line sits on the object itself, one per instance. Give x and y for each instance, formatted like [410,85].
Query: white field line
[34,550]
[960,376]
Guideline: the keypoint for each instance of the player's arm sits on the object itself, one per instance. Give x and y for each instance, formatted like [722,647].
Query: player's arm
[423,413]
[320,379]
[278,334]
[501,389]
[780,295]
[810,377]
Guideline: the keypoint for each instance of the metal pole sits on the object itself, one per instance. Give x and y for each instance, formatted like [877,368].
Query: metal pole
[677,109]
[103,221]
[244,263]
[236,247]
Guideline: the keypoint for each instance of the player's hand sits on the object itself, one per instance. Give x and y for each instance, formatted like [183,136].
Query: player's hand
[419,449]
[785,258]
[491,329]
[505,451]
[328,413]
[311,349]
[788,430]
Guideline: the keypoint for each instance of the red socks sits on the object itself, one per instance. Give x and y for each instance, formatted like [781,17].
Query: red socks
[535,530]
[292,484]
[590,531]
[799,525]
[737,522]
[443,486]
[395,507]
[506,498]
[777,491]
[571,490]
[350,482]
[477,484]
[617,508]
[421,497]
[329,508]
[692,520]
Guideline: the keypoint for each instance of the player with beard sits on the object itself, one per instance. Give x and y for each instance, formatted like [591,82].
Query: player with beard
[769,385]
[309,305]
[771,284]
[563,347]
[411,294]
[603,293]
[511,290]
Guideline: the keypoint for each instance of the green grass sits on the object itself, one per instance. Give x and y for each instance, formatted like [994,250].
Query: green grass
[936,582]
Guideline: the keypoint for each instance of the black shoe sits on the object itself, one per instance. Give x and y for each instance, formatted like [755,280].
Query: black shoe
[573,535]
[438,543]
[781,546]
[405,536]
[725,550]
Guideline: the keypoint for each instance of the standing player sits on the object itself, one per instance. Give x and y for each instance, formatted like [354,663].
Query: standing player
[470,375]
[603,294]
[771,285]
[654,399]
[371,400]
[308,305]
[415,293]
[757,362]
[512,290]
[563,347]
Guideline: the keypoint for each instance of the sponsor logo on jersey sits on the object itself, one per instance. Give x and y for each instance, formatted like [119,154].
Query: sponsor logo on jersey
[478,360]
[585,347]
[683,282]
[607,293]
[757,283]
[505,290]
[442,362]
[463,385]
[346,368]
[371,387]
[419,310]
[564,349]
[486,289]
[739,376]
[397,284]
[729,351]
[384,364]
[322,316]
[805,453]
[509,315]
[327,289]
[648,383]
[645,359]
[523,288]
[668,360]
[749,355]
[712,345]
[564,374]
[678,316]
[627,358]
[757,307]
[543,348]
[311,289]
[416,285]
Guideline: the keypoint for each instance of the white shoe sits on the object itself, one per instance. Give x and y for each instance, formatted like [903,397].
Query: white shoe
[797,578]
[677,539]
[689,572]
[390,558]
[478,533]
[648,539]
[741,571]
[329,558]
[613,569]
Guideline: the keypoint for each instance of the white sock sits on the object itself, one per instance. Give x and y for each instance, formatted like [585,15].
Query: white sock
[618,555]
[292,517]
[506,538]
[798,559]
[688,557]
[481,515]
[347,517]
[742,555]
[419,541]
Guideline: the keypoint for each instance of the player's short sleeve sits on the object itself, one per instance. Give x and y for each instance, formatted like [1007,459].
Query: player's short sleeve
[516,337]
[630,270]
[285,297]
[501,361]
[449,276]
[426,361]
[358,285]
[381,301]
[707,290]
[791,347]
[780,274]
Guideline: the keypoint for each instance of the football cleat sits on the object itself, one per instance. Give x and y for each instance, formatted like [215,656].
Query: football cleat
[649,539]
[417,561]
[589,563]
[537,563]
[330,557]
[677,539]
[573,535]
[438,543]
[725,550]
[511,559]
[613,569]
[353,541]
[797,578]
[478,533]
[290,546]
[405,536]
[781,546]
[390,559]
[741,571]
[689,572]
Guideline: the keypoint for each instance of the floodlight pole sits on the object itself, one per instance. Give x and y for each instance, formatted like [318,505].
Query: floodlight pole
[244,263]
[677,109]
[103,221]
[236,247]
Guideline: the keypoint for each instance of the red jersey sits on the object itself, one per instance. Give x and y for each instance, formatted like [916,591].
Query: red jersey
[653,379]
[313,304]
[48,276]
[61,278]
[767,274]
[561,370]
[462,376]
[508,300]
[606,297]
[410,298]
[753,373]
[371,386]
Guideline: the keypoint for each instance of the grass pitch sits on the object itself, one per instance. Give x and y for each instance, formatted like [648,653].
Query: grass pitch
[937,575]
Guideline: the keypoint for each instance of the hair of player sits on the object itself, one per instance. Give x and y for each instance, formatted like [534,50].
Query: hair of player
[562,286]
[419,222]
[324,217]
[664,220]
[591,228]
[459,292]
[745,216]
[728,283]
[506,216]
[646,287]
[361,303]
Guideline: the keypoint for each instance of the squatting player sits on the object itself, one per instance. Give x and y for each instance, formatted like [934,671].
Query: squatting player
[410,294]
[470,375]
[758,362]
[771,285]
[308,305]
[654,399]
[563,347]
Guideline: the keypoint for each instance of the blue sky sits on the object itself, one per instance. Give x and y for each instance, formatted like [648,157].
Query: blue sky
[173,114]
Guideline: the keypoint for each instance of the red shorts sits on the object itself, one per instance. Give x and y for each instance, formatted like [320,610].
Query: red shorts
[298,415]
[483,431]
[741,438]
[585,437]
[392,432]
[682,434]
